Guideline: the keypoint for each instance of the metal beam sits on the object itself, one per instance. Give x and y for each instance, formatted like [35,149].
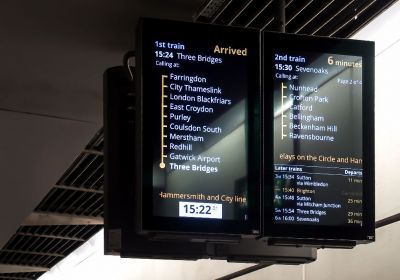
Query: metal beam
[387,221]
[299,11]
[13,268]
[52,219]
[50,236]
[320,26]
[78,189]
[357,12]
[221,10]
[93,152]
[245,271]
[280,16]
[258,13]
[33,253]
[240,11]
[314,16]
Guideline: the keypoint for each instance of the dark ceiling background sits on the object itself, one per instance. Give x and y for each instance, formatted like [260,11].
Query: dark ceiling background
[53,55]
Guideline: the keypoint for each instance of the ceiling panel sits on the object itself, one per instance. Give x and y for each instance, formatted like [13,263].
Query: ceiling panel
[55,52]
[34,152]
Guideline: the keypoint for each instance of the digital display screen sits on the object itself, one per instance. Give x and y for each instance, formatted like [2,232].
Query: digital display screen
[318,160]
[318,137]
[197,84]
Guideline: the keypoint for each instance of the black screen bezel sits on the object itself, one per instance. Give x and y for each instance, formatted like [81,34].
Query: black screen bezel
[271,42]
[147,222]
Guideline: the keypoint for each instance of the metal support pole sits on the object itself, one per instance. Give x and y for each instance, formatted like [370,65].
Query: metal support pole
[388,221]
[244,271]
[280,17]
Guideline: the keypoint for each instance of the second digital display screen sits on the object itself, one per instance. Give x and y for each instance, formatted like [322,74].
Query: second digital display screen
[318,139]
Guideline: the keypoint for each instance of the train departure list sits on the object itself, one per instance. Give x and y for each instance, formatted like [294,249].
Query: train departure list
[196,86]
[318,167]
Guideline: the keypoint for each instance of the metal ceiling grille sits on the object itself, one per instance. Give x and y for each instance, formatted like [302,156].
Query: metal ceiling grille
[333,18]
[41,247]
[72,211]
[67,217]
[80,191]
